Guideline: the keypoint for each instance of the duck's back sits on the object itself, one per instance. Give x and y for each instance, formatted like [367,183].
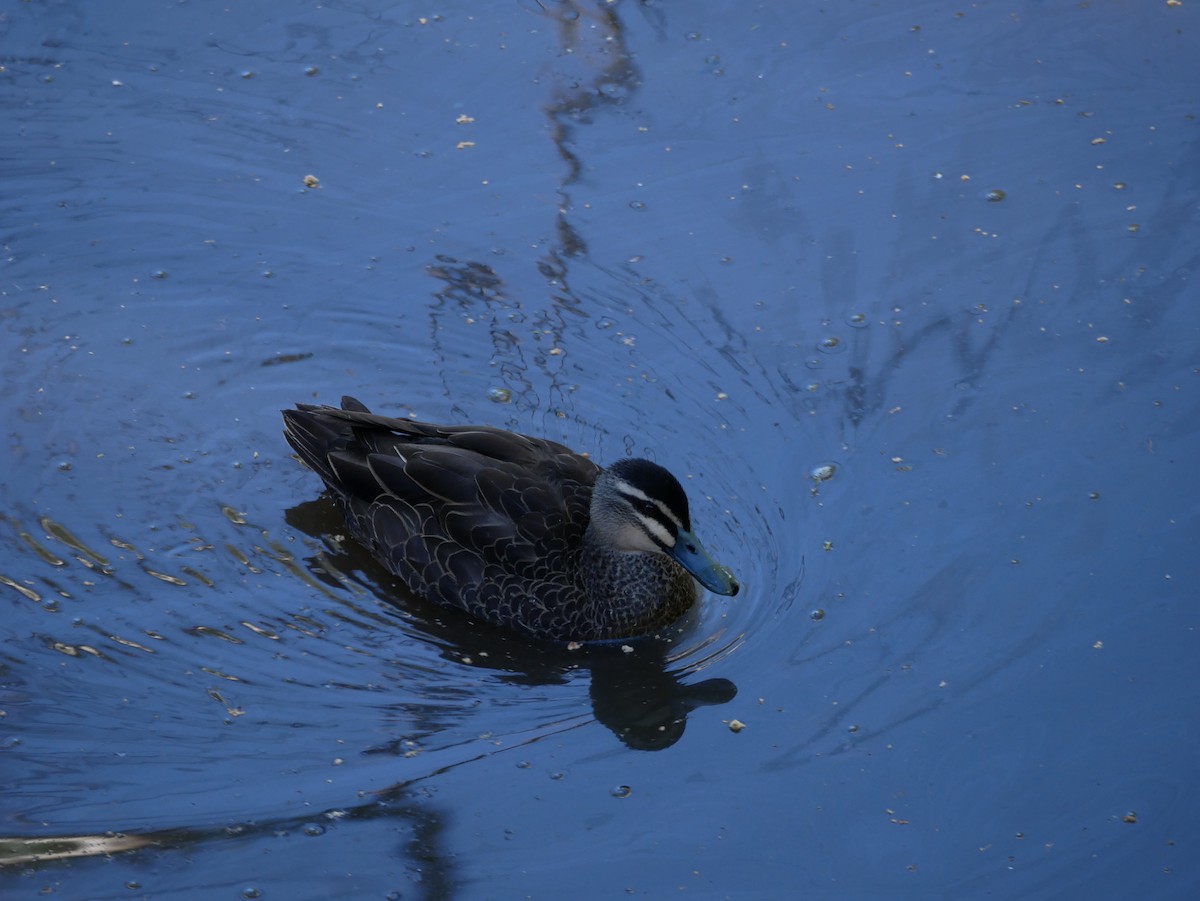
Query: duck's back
[485,520]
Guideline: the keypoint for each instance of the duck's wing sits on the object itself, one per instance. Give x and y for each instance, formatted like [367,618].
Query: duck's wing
[318,432]
[449,509]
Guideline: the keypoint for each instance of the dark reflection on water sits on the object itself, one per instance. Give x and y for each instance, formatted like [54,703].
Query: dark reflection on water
[595,70]
[636,689]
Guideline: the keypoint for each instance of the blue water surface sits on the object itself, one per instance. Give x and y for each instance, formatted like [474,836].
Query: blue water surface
[905,294]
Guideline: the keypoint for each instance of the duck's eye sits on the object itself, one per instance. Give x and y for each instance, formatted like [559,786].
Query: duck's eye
[646,508]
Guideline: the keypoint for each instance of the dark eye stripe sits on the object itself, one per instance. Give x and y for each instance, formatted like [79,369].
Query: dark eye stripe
[656,509]
[651,510]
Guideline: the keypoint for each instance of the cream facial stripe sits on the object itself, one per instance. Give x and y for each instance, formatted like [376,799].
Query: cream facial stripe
[653,526]
[656,529]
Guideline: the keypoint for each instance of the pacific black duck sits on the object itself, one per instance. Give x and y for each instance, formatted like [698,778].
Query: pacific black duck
[519,531]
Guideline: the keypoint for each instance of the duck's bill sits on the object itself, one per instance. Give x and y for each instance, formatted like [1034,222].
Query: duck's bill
[692,556]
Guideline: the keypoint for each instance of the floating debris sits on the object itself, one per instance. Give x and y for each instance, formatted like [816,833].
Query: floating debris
[823,473]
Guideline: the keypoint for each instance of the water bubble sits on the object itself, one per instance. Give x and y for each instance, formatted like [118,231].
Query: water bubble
[558,775]
[314,829]
[639,205]
[856,320]
[817,615]
[620,791]
[995,195]
[251,892]
[830,344]
[499,395]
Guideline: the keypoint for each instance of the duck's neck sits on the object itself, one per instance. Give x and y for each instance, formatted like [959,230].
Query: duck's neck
[631,593]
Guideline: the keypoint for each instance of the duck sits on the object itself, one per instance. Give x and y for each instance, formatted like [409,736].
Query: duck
[518,531]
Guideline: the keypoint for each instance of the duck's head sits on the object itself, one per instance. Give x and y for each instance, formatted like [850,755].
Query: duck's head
[638,506]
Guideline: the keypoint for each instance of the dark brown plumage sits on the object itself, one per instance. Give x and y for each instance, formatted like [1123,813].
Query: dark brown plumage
[515,530]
